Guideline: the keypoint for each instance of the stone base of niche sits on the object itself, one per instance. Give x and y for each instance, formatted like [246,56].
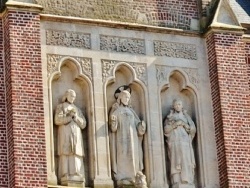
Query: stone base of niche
[73,181]
[183,186]
[61,186]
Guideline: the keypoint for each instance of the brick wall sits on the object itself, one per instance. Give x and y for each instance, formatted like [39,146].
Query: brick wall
[248,60]
[219,135]
[233,97]
[24,96]
[166,13]
[3,134]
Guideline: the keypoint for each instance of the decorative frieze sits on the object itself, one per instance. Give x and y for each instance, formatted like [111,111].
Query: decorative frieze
[122,44]
[163,73]
[69,39]
[53,61]
[139,68]
[177,50]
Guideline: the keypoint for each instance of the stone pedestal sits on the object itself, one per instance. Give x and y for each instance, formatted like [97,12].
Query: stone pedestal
[73,181]
[183,186]
[125,184]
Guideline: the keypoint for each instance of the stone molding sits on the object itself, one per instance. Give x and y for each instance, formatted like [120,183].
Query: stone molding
[176,50]
[122,44]
[163,72]
[54,60]
[68,39]
[109,65]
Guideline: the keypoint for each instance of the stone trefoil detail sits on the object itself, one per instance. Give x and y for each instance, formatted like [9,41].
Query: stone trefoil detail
[163,72]
[122,44]
[192,75]
[108,67]
[68,39]
[54,59]
[176,50]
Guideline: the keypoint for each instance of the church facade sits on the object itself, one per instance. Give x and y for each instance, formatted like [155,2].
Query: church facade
[68,65]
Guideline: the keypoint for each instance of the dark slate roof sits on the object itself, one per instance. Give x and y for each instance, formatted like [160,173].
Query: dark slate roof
[241,9]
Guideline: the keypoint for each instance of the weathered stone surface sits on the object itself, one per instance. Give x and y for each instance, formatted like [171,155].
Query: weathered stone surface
[177,50]
[67,38]
[122,44]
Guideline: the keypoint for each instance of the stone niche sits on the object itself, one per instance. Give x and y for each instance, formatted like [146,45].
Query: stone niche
[178,86]
[157,67]
[68,74]
[124,74]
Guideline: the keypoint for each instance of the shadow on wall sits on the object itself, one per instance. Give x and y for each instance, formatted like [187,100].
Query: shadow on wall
[2,5]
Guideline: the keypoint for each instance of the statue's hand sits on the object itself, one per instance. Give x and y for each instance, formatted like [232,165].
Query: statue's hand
[175,125]
[74,117]
[143,125]
[179,123]
[187,128]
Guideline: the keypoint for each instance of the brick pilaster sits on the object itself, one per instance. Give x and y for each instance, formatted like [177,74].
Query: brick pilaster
[24,98]
[3,133]
[230,92]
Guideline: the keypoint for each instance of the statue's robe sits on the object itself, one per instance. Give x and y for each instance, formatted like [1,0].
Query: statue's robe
[126,143]
[180,147]
[70,142]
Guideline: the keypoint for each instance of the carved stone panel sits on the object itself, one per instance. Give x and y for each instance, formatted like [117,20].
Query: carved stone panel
[177,50]
[122,44]
[163,72]
[69,39]
[139,68]
[54,59]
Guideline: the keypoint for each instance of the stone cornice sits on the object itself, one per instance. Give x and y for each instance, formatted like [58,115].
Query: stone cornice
[16,5]
[221,29]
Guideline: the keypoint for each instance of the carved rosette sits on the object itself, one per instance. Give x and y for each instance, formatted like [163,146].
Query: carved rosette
[122,44]
[163,72]
[176,50]
[68,39]
[139,68]
[53,61]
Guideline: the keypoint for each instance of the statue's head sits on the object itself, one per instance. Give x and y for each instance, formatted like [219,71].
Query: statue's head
[177,105]
[122,95]
[123,98]
[69,96]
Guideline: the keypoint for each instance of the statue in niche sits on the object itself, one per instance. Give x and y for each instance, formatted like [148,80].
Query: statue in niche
[180,131]
[70,122]
[127,132]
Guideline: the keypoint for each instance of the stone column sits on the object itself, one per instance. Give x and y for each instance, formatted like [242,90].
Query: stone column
[102,152]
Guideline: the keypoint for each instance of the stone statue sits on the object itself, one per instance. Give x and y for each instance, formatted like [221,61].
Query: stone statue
[70,122]
[126,136]
[180,131]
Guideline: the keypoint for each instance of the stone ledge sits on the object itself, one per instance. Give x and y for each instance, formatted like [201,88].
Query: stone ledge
[16,5]
[116,24]
[60,186]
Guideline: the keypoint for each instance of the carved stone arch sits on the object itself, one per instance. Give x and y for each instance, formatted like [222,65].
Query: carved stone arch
[177,85]
[123,73]
[67,72]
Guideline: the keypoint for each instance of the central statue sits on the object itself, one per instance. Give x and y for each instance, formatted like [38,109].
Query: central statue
[127,132]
